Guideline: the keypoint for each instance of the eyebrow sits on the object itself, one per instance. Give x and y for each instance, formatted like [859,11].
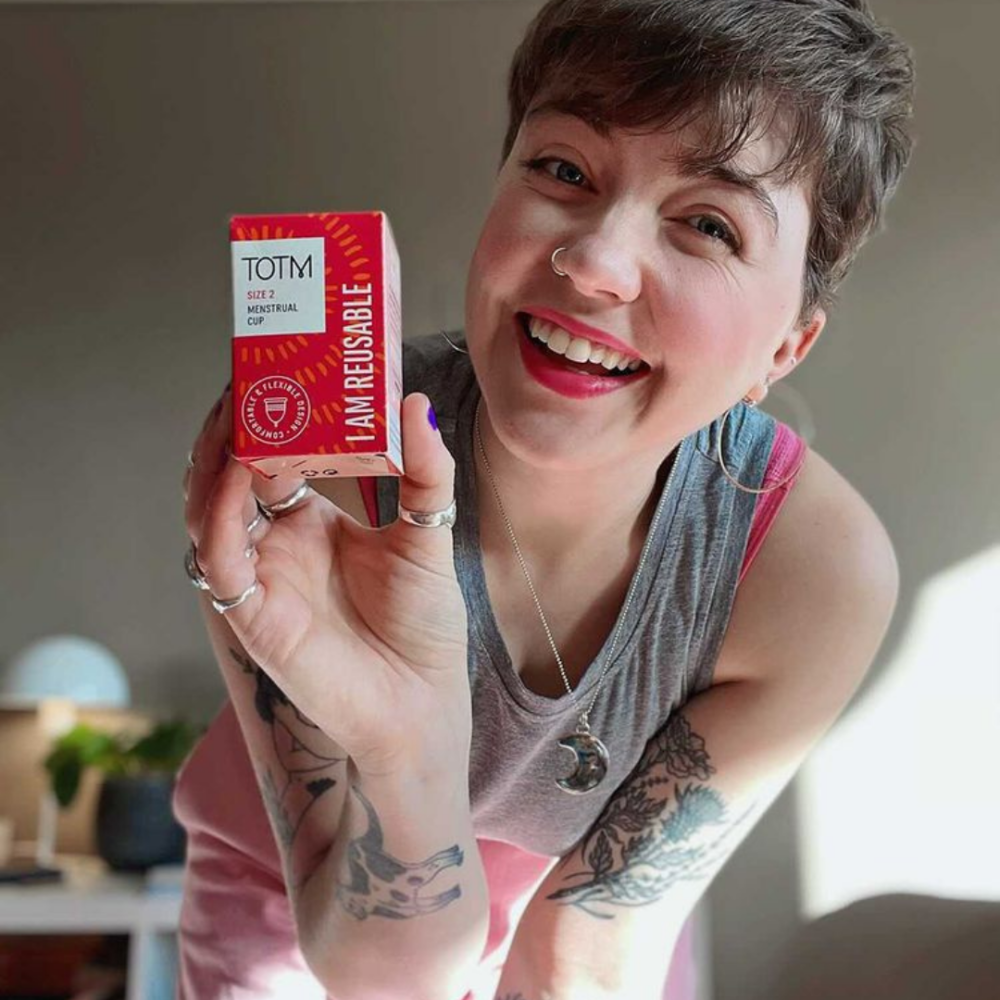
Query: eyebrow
[720,173]
[730,176]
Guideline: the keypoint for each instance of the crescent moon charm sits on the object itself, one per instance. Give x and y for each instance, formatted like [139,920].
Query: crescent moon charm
[591,757]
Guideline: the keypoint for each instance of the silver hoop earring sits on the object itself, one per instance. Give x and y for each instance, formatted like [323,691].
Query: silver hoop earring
[552,260]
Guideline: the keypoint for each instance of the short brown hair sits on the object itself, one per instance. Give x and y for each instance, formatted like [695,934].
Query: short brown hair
[838,84]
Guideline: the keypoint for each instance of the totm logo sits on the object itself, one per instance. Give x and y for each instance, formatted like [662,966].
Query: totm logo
[275,410]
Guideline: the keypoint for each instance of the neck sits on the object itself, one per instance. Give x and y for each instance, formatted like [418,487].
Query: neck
[561,517]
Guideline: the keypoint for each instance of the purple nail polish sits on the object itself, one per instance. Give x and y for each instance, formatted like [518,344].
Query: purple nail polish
[432,417]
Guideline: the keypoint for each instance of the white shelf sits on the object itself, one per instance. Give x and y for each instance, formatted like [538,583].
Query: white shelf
[93,900]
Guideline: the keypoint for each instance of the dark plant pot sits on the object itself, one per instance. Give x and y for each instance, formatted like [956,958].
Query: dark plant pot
[136,827]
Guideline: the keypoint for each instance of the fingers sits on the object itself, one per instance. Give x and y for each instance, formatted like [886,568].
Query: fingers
[225,551]
[208,456]
[429,483]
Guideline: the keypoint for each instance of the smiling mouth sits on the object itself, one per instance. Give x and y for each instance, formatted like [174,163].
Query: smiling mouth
[581,368]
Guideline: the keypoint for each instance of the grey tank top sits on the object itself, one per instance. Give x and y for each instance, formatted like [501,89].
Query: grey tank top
[669,640]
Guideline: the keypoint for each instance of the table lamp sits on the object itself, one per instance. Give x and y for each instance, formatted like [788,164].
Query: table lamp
[55,675]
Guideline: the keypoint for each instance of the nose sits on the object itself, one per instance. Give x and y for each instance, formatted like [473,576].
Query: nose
[605,261]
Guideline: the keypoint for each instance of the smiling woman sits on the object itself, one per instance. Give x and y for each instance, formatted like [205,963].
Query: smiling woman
[568,698]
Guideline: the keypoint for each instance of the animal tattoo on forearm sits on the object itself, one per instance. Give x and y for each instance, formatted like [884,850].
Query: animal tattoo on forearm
[379,884]
[643,843]
[383,886]
[307,767]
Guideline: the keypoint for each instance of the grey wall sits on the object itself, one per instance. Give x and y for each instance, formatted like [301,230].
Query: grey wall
[131,133]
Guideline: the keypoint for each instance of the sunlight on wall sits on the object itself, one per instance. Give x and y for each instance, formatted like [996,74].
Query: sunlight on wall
[902,795]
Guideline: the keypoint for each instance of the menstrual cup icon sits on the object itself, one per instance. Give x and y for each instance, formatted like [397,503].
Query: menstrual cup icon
[275,408]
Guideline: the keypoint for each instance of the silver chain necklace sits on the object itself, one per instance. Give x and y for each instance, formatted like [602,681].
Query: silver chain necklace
[591,755]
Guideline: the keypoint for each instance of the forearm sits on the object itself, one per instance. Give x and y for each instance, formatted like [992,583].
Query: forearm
[301,772]
[356,934]
[398,909]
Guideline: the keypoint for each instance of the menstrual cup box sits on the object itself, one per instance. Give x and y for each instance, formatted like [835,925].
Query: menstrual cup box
[317,344]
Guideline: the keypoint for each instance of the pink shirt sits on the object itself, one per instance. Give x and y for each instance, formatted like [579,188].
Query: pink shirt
[237,936]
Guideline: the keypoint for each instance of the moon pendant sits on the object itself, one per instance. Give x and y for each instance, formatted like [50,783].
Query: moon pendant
[592,760]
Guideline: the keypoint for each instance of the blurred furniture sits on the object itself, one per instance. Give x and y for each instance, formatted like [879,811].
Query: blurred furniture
[92,900]
[55,675]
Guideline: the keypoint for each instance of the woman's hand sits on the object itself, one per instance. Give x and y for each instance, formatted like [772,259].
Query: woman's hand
[364,629]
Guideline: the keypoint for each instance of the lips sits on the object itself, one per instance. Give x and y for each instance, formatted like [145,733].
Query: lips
[567,379]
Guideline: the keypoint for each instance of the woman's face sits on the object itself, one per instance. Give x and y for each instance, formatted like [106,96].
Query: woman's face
[697,276]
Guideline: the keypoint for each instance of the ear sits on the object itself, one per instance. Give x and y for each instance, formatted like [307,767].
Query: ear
[793,349]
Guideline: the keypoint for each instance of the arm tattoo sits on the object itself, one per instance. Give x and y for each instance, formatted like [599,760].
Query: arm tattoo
[639,847]
[382,885]
[305,761]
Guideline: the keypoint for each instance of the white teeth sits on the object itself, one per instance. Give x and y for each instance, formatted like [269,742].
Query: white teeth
[578,348]
[558,340]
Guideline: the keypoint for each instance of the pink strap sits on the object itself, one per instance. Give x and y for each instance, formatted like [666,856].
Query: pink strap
[786,456]
[370,496]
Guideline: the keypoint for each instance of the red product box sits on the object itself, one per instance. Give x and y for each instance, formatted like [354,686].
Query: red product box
[317,344]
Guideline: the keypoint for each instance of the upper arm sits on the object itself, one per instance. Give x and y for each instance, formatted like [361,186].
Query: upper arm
[806,625]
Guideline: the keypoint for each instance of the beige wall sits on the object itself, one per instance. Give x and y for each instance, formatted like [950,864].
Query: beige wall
[131,132]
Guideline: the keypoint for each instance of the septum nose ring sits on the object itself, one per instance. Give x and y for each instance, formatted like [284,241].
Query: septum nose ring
[562,274]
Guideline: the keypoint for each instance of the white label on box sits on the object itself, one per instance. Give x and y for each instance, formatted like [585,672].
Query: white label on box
[279,286]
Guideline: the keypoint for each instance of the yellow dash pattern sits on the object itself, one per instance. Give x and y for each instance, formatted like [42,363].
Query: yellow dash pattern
[353,251]
[359,262]
[263,231]
[353,238]
[327,413]
[270,354]
[302,340]
[291,346]
[332,223]
[298,375]
[282,352]
[340,232]
[241,232]
[256,355]
[317,419]
[244,353]
[310,376]
[322,368]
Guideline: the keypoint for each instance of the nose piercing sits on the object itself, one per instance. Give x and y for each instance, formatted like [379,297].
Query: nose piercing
[562,274]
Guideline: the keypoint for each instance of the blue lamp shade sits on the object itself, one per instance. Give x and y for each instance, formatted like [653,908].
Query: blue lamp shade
[64,666]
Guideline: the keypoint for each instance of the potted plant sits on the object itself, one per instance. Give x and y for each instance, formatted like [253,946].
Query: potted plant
[136,827]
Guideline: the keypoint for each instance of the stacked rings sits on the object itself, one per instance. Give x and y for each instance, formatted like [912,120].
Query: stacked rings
[271,511]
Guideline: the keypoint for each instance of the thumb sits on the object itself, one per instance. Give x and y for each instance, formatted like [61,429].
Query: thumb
[428,485]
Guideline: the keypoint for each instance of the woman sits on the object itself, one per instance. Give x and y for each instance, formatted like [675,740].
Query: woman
[505,744]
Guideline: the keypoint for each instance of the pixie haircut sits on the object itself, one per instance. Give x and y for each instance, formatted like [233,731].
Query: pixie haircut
[823,76]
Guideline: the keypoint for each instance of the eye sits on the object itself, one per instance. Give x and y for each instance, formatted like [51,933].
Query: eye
[538,166]
[714,228]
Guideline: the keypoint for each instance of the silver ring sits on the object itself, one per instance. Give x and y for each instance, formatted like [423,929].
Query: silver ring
[190,460]
[223,606]
[552,260]
[279,507]
[257,519]
[250,550]
[430,519]
[194,573]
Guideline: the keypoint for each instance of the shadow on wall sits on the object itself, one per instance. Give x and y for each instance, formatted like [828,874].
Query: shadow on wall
[896,947]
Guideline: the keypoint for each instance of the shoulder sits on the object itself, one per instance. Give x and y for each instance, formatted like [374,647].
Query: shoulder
[826,575]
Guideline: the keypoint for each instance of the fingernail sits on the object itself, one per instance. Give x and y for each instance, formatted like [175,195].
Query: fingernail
[432,417]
